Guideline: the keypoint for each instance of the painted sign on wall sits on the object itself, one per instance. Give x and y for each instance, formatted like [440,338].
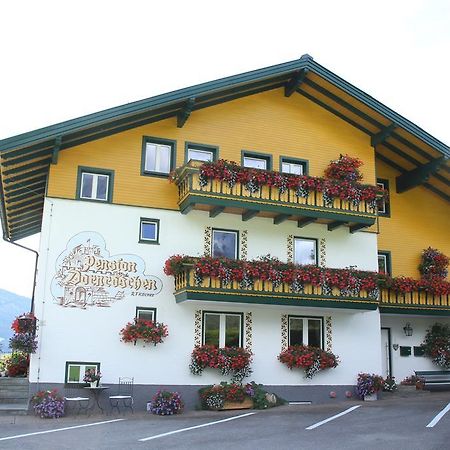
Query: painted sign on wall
[86,274]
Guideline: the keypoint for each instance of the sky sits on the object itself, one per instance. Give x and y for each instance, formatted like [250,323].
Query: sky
[64,59]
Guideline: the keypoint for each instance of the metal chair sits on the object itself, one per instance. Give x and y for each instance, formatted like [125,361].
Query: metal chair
[124,395]
[71,396]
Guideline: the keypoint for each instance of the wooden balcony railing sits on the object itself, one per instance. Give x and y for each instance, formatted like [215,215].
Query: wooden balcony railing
[217,197]
[418,301]
[265,292]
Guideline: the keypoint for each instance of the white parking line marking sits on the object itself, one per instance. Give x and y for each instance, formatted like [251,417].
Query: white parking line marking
[59,429]
[332,418]
[196,426]
[439,417]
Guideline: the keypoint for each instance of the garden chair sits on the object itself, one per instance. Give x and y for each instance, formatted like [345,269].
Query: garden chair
[124,396]
[72,397]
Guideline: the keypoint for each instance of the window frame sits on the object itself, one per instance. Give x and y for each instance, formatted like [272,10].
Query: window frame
[80,382]
[384,183]
[388,261]
[158,141]
[95,171]
[146,309]
[221,322]
[316,246]
[256,155]
[214,149]
[149,241]
[305,330]
[302,162]
[236,232]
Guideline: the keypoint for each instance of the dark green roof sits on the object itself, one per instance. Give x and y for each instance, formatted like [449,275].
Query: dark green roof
[25,159]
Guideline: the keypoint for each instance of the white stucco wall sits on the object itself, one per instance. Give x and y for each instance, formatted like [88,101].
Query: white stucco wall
[92,334]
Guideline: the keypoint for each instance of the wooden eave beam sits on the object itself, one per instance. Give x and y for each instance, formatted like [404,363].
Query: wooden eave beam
[249,214]
[306,221]
[336,224]
[216,211]
[185,112]
[420,175]
[56,149]
[280,218]
[382,135]
[294,83]
[357,227]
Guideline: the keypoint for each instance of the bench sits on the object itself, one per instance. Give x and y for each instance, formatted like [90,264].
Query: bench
[434,378]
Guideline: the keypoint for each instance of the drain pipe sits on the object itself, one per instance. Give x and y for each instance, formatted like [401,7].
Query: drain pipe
[35,267]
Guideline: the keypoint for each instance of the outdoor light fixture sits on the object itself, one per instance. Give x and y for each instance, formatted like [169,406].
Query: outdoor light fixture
[408,329]
[395,347]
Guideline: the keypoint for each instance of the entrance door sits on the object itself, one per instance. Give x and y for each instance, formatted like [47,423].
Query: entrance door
[386,352]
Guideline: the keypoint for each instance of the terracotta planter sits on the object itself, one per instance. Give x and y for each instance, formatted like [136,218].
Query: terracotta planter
[246,404]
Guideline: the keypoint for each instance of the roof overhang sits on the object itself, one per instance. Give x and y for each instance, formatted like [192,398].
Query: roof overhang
[418,157]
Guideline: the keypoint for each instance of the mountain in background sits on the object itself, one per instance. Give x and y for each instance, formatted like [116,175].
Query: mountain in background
[11,306]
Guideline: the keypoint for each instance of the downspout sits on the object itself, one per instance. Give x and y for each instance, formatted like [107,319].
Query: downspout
[35,267]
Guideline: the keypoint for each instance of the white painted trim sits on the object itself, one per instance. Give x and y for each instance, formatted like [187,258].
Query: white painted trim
[318,424]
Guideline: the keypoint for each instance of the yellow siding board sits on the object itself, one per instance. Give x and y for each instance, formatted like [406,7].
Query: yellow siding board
[266,122]
[419,219]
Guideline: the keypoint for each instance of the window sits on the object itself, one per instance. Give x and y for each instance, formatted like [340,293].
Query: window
[382,204]
[149,231]
[225,244]
[158,156]
[305,331]
[94,184]
[256,160]
[294,166]
[305,251]
[384,262]
[146,313]
[75,371]
[222,329]
[200,152]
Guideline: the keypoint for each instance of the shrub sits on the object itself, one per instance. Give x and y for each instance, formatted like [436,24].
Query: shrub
[437,344]
[17,364]
[48,404]
[166,403]
[389,384]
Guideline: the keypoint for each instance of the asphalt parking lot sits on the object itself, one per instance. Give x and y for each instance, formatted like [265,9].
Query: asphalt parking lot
[391,423]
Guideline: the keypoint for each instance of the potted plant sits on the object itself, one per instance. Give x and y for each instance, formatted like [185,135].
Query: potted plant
[48,404]
[227,396]
[16,364]
[92,376]
[437,344]
[311,359]
[368,386]
[166,403]
[149,331]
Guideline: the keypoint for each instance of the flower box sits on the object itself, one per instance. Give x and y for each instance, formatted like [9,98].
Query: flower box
[246,404]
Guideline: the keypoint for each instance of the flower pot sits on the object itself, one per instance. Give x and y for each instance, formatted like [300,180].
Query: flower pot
[371,397]
[94,384]
[246,404]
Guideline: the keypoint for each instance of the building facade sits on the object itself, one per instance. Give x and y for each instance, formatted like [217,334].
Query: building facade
[118,193]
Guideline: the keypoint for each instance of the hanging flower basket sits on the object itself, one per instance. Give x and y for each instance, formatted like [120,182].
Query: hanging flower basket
[146,330]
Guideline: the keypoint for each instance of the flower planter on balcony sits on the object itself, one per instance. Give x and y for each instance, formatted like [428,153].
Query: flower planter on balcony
[217,196]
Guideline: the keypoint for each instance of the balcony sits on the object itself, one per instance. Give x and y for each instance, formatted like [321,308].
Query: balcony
[319,291]
[264,200]
[415,302]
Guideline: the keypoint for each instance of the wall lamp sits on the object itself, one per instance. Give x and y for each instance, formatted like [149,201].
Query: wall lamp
[408,329]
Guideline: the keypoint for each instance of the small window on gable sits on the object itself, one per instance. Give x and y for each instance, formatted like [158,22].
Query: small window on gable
[75,371]
[306,331]
[305,251]
[146,313]
[200,152]
[384,263]
[225,244]
[256,161]
[222,329]
[149,231]
[383,204]
[93,185]
[158,156]
[294,166]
